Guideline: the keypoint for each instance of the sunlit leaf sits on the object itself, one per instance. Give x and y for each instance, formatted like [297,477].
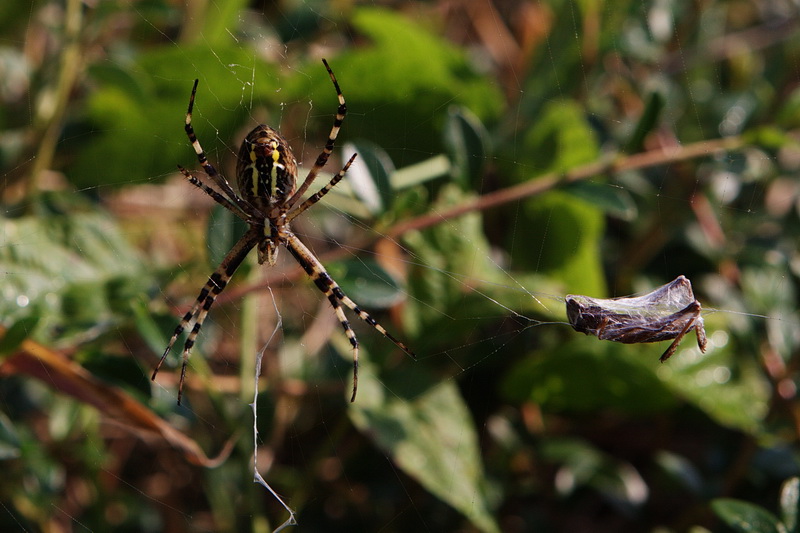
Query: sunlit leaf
[399,111]
[67,269]
[369,175]
[563,240]
[578,379]
[733,396]
[136,131]
[427,431]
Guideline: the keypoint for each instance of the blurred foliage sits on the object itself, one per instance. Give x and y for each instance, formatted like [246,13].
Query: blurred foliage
[508,420]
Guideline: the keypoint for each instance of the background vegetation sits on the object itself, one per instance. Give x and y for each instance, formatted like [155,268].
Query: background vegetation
[517,152]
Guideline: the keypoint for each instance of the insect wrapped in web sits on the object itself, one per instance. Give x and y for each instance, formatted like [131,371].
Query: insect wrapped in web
[667,313]
[266,176]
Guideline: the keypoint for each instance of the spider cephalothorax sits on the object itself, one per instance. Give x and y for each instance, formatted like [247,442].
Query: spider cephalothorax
[266,174]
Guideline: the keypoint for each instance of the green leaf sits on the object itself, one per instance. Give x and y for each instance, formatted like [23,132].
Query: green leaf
[17,333]
[728,389]
[467,143]
[790,504]
[219,18]
[584,376]
[648,121]
[135,119]
[395,83]
[560,140]
[563,242]
[746,517]
[369,175]
[427,431]
[64,266]
[368,283]
[563,233]
[613,200]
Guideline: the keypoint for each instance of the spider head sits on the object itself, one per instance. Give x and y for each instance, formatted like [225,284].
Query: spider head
[266,170]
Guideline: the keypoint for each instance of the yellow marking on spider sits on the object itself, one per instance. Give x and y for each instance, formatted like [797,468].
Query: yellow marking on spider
[276,156]
[254,174]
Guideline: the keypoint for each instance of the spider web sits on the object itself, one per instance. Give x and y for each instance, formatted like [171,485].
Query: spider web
[505,264]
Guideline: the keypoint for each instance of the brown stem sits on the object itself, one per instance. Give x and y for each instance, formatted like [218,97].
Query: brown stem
[611,164]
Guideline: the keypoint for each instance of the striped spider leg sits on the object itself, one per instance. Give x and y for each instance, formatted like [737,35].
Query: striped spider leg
[266,176]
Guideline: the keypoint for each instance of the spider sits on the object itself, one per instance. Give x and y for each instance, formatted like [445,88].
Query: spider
[266,175]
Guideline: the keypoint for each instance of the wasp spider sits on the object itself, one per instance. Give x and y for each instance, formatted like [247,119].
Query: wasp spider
[266,175]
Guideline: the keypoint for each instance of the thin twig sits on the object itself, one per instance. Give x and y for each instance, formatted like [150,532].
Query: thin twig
[608,164]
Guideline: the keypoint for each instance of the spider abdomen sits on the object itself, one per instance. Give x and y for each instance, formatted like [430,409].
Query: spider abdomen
[266,170]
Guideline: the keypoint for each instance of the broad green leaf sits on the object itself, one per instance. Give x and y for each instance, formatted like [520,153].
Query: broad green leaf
[467,143]
[560,139]
[135,121]
[457,273]
[343,196]
[562,233]
[730,390]
[564,134]
[66,266]
[395,83]
[584,376]
[562,241]
[219,18]
[746,517]
[421,172]
[427,431]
